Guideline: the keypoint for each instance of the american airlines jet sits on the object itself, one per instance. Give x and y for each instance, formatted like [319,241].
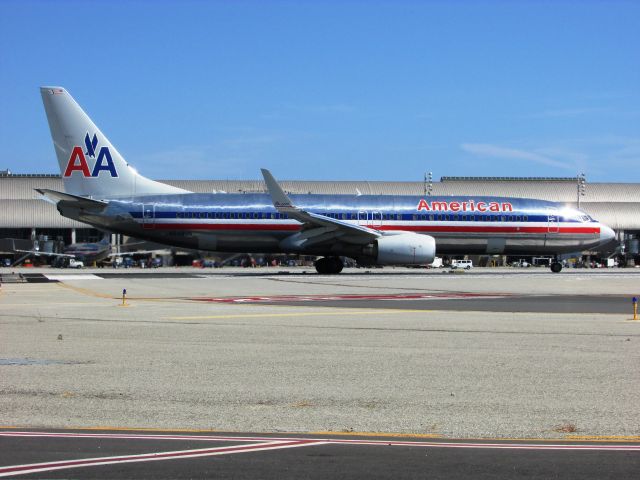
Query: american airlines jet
[105,191]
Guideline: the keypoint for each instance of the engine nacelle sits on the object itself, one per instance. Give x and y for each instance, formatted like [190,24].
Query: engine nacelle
[404,249]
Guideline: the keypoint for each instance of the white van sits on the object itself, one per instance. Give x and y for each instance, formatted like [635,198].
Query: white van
[465,264]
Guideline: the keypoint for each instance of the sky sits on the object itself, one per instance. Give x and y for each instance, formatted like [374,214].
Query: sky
[322,90]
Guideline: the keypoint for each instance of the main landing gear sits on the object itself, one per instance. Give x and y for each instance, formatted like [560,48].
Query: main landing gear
[556,266]
[329,265]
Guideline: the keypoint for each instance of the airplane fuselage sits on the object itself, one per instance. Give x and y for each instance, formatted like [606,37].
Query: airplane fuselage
[249,222]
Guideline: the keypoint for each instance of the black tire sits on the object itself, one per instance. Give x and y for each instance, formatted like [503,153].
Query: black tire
[329,265]
[556,267]
[336,265]
[321,266]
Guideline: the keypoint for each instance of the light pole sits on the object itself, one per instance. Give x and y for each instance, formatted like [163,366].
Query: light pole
[428,183]
[581,187]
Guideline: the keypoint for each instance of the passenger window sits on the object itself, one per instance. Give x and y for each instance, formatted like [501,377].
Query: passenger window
[431,217]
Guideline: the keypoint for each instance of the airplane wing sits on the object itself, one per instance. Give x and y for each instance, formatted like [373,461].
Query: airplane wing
[38,253]
[316,228]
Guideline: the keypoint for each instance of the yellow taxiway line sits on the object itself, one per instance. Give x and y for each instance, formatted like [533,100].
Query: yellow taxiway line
[567,438]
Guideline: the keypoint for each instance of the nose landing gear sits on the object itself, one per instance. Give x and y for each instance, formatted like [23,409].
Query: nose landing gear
[329,265]
[556,266]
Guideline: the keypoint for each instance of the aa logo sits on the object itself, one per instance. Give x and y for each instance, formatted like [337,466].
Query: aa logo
[78,159]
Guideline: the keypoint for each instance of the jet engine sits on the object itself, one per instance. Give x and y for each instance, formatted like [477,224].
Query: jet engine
[403,249]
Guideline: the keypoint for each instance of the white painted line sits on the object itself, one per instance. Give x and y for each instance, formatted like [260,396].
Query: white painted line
[73,276]
[150,457]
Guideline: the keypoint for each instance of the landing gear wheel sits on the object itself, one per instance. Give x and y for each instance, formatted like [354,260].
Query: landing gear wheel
[329,265]
[556,267]
[336,265]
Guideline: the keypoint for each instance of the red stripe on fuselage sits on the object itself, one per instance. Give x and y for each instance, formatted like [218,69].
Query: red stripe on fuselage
[491,229]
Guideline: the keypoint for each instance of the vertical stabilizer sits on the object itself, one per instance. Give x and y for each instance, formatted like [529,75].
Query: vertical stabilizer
[89,164]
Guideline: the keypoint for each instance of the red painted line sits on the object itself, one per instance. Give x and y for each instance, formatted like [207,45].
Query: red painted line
[151,457]
[319,298]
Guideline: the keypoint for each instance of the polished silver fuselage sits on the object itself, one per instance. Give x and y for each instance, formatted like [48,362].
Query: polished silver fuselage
[250,223]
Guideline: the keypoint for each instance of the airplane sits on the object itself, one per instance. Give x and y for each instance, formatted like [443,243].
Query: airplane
[105,191]
[85,252]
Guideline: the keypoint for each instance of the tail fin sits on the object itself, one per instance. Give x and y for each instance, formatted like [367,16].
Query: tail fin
[89,164]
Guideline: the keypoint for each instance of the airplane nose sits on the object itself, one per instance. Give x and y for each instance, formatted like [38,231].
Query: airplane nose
[606,234]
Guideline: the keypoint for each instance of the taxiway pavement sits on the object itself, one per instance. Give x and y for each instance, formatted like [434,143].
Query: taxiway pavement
[173,455]
[73,357]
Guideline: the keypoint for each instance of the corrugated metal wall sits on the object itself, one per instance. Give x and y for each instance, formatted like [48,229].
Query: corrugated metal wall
[616,204]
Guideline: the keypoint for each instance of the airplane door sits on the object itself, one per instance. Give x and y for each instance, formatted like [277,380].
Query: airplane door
[148,216]
[553,221]
[363,218]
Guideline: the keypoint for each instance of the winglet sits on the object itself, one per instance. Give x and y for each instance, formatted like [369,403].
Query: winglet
[280,199]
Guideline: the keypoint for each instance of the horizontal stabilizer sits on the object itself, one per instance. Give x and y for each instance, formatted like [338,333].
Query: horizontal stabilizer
[81,202]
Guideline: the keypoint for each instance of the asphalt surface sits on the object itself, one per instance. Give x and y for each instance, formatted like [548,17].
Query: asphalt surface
[607,304]
[177,455]
[426,359]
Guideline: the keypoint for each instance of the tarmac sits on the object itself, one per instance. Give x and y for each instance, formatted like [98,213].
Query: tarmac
[514,355]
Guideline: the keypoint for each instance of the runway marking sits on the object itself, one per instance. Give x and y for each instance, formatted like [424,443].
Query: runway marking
[153,457]
[608,438]
[77,276]
[257,444]
[566,438]
[320,298]
[378,434]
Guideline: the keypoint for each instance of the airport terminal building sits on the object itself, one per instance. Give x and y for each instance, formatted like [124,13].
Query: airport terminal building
[25,215]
